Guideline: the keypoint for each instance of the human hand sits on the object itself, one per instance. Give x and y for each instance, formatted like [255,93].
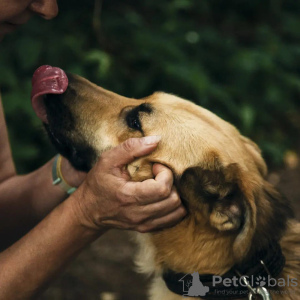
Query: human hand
[108,199]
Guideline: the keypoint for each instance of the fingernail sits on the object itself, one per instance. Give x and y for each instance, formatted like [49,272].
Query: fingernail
[150,140]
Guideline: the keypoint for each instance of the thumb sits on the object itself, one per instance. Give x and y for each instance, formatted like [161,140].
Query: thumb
[131,149]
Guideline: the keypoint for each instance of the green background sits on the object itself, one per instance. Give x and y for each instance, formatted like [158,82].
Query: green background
[240,59]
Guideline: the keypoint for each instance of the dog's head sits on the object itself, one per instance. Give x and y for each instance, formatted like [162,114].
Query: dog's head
[218,172]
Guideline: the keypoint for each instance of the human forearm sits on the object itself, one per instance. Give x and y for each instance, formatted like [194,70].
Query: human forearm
[34,260]
[7,167]
[25,200]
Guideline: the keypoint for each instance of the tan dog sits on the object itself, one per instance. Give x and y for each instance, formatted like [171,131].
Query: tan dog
[234,214]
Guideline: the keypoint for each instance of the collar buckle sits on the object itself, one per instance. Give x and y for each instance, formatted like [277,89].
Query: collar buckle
[258,292]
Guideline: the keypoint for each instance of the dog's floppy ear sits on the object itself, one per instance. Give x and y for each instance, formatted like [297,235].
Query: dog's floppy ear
[218,199]
[255,154]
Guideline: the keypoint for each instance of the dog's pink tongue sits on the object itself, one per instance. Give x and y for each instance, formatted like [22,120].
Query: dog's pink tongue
[46,80]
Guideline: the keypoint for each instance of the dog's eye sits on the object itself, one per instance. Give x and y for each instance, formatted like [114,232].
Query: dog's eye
[133,121]
[134,124]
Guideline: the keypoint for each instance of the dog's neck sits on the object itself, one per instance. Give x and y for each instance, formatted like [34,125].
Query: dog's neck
[265,264]
[190,246]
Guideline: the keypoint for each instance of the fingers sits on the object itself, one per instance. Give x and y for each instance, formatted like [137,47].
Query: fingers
[163,174]
[159,168]
[152,190]
[154,216]
[165,213]
[131,149]
[163,207]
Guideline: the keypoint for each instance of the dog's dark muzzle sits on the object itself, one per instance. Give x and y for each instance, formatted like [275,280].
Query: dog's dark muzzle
[52,93]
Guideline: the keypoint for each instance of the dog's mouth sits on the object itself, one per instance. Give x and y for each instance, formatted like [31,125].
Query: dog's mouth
[49,88]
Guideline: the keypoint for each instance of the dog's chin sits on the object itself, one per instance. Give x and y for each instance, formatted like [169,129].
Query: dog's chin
[61,127]
[79,153]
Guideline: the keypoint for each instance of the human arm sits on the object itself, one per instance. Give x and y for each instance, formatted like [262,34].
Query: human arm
[106,199]
[30,263]
[26,199]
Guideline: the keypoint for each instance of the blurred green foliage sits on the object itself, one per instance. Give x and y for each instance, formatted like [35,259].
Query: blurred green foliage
[240,59]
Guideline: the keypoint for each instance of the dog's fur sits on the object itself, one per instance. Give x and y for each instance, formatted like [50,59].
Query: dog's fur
[220,175]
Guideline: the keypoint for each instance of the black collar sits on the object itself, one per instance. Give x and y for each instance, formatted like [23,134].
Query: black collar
[272,257]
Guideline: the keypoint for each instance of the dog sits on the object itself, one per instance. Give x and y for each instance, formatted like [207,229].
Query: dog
[237,223]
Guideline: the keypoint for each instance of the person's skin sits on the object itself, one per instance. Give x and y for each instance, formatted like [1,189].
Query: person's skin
[106,198]
[14,13]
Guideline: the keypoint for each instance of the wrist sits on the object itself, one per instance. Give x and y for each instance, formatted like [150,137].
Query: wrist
[58,178]
[85,211]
